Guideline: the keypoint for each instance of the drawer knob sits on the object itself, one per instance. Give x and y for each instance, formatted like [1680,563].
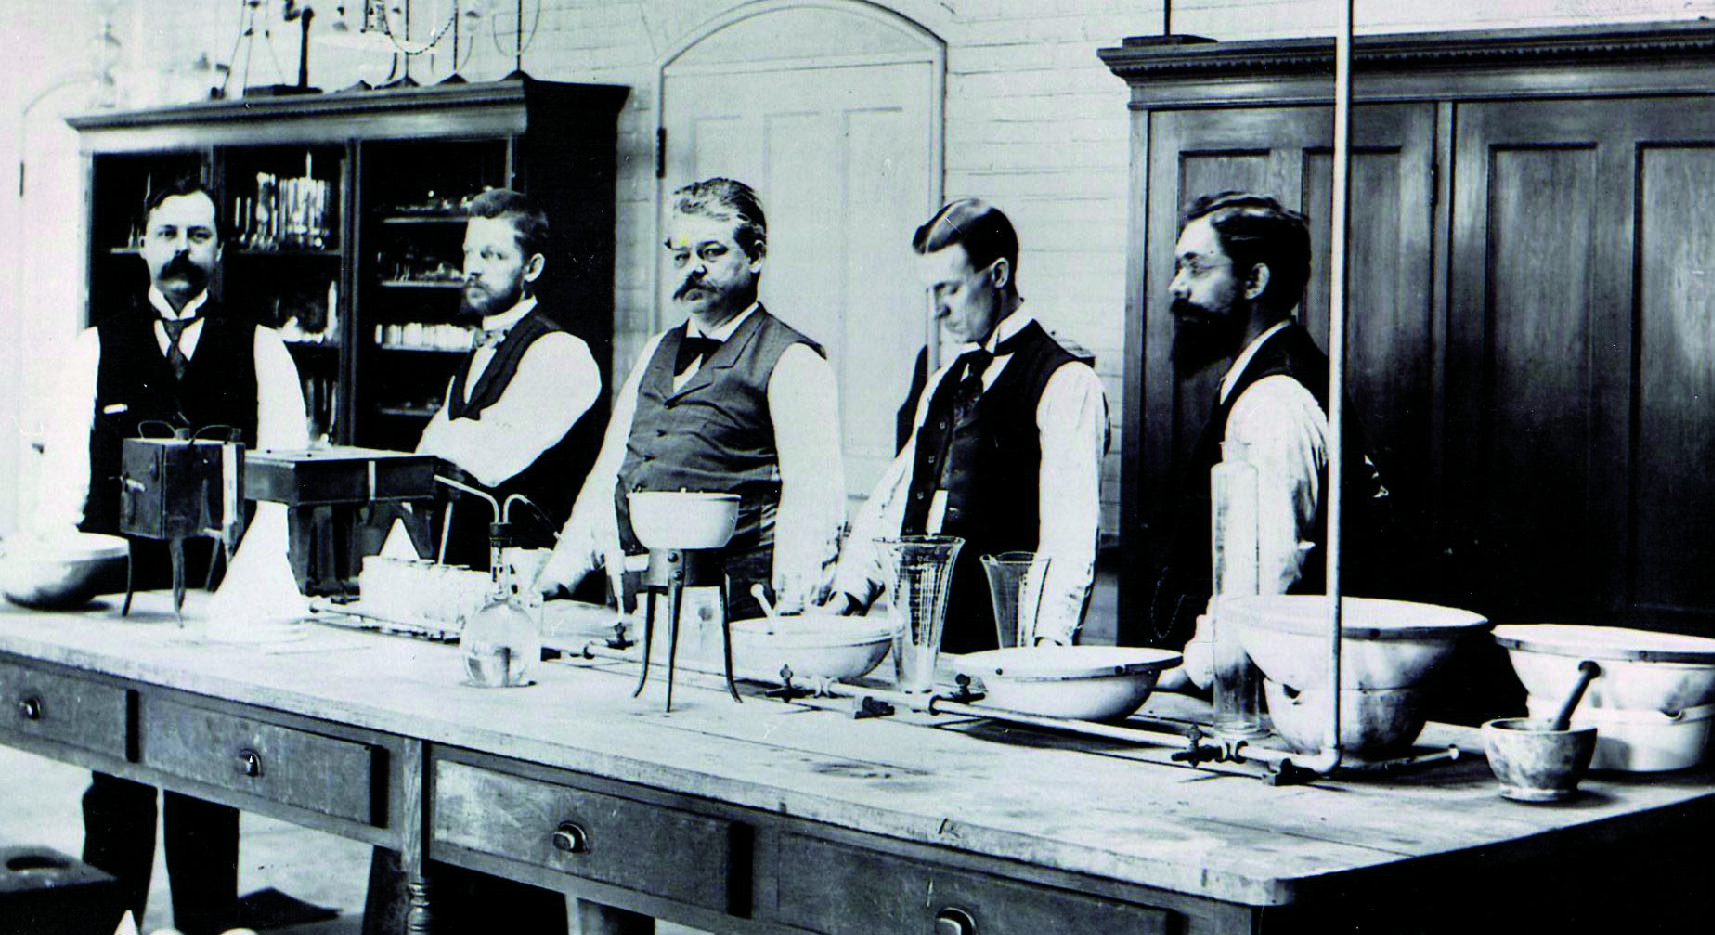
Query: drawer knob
[569,838]
[954,922]
[250,763]
[30,709]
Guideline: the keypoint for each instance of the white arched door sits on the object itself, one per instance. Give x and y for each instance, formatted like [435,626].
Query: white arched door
[832,112]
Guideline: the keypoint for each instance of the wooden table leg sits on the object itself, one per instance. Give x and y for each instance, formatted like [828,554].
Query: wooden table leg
[597,919]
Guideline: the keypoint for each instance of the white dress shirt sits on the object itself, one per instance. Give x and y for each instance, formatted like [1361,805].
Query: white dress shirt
[556,382]
[281,423]
[803,405]
[1072,419]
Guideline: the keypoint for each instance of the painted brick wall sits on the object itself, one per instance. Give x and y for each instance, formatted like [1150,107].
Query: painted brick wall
[1034,122]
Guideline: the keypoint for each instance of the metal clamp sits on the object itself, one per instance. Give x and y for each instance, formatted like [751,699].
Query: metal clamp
[30,708]
[250,763]
[570,838]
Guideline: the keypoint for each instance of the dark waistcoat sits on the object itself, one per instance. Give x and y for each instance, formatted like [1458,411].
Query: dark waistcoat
[551,482]
[713,435]
[1186,580]
[134,385]
[987,454]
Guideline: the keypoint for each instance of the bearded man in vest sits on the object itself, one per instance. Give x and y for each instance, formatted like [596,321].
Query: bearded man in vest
[731,400]
[1006,447]
[1241,264]
[172,355]
[514,418]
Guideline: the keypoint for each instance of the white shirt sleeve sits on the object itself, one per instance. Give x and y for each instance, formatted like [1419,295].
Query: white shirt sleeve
[590,537]
[803,404]
[1072,418]
[1288,437]
[64,479]
[556,382]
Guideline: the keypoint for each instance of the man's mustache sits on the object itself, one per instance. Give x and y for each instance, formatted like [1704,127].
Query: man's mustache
[686,288]
[182,266]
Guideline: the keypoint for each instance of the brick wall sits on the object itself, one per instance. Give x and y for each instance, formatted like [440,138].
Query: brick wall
[1033,121]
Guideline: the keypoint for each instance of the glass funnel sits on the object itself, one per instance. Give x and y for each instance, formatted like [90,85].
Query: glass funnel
[922,573]
[1015,587]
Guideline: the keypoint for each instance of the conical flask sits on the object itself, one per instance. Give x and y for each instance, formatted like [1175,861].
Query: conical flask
[922,574]
[1015,587]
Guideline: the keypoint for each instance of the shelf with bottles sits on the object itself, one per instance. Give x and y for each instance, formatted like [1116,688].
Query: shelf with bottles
[284,200]
[426,336]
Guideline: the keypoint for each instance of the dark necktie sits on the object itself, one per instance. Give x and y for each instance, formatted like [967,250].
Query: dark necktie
[690,348]
[175,328]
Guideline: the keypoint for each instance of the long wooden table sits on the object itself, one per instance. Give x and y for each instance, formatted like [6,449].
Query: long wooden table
[766,817]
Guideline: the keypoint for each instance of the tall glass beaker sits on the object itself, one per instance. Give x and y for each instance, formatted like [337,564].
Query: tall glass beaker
[1015,587]
[922,575]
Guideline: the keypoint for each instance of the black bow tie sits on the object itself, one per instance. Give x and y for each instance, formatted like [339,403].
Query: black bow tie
[692,347]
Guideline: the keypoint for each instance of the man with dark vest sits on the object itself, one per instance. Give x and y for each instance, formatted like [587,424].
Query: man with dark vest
[175,356]
[1007,445]
[1241,264]
[732,400]
[514,421]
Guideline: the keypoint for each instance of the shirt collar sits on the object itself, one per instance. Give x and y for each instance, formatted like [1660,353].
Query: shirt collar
[1244,358]
[165,308]
[725,330]
[506,320]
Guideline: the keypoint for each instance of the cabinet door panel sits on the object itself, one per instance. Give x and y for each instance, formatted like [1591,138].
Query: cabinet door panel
[1672,493]
[1580,335]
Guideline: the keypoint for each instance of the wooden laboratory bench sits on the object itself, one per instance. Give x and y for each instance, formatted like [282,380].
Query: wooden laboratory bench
[766,817]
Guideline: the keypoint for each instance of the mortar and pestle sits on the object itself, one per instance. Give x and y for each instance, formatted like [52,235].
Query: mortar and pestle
[1542,761]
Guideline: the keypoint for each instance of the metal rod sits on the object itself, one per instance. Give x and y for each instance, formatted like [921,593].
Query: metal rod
[1341,217]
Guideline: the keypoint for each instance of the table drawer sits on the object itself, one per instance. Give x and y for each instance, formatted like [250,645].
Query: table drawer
[282,764]
[648,848]
[65,709]
[839,889]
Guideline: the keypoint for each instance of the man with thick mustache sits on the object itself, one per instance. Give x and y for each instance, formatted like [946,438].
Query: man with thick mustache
[513,421]
[1240,267]
[733,400]
[173,355]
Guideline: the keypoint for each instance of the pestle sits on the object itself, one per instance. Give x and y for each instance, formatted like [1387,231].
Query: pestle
[1587,670]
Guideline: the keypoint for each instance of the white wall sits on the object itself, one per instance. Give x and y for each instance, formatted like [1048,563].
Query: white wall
[1034,123]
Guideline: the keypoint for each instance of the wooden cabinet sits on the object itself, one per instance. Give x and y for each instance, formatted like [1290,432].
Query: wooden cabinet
[342,224]
[1529,321]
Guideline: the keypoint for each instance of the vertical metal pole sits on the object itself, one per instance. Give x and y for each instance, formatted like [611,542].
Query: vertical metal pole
[1341,223]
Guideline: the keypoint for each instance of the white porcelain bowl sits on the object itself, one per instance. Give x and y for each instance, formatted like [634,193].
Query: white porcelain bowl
[682,519]
[1092,683]
[1373,722]
[1642,741]
[1388,644]
[1641,670]
[60,572]
[814,645]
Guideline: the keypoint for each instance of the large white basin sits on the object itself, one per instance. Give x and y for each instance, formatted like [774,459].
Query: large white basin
[813,645]
[1641,670]
[1092,683]
[682,519]
[1388,644]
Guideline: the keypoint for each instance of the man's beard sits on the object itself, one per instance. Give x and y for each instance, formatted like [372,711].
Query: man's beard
[1200,338]
[485,302]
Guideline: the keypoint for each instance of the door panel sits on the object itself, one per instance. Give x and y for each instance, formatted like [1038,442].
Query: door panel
[1580,332]
[841,157]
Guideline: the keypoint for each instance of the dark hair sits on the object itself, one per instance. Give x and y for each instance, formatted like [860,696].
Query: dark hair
[727,200]
[529,222]
[179,187]
[979,227]
[1256,229]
